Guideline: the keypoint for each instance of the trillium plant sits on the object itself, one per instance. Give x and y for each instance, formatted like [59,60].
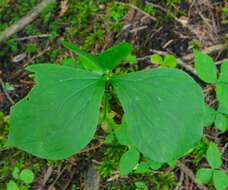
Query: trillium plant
[163,108]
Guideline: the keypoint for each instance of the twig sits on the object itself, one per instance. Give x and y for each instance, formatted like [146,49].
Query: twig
[208,50]
[190,174]
[71,177]
[57,178]
[24,21]
[180,181]
[32,37]
[138,9]
[36,56]
[5,92]
[221,61]
[174,17]
[91,148]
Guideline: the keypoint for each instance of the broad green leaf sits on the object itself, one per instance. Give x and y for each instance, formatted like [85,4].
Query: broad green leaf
[15,173]
[222,94]
[59,116]
[213,156]
[27,176]
[221,122]
[154,165]
[106,60]
[87,65]
[204,175]
[205,67]
[209,116]
[12,185]
[170,61]
[159,105]
[224,72]
[220,179]
[172,163]
[69,62]
[142,168]
[128,161]
[222,109]
[122,133]
[156,59]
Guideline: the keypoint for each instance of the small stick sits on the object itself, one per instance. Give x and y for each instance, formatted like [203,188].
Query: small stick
[138,9]
[208,50]
[190,174]
[24,21]
[6,93]
[32,37]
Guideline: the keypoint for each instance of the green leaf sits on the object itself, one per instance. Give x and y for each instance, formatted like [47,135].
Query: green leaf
[106,60]
[59,116]
[222,109]
[222,94]
[142,168]
[205,67]
[27,176]
[122,133]
[12,186]
[30,48]
[159,104]
[204,175]
[170,61]
[88,58]
[69,62]
[221,122]
[213,156]
[156,59]
[108,139]
[172,163]
[220,179]
[9,87]
[209,116]
[140,185]
[15,173]
[128,161]
[224,72]
[154,165]
[87,65]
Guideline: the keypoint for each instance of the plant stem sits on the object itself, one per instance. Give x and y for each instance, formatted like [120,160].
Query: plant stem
[105,110]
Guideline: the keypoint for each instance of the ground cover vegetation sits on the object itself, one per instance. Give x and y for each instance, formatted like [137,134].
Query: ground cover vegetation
[54,74]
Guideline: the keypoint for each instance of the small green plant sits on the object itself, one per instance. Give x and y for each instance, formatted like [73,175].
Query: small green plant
[26,176]
[59,116]
[168,62]
[206,70]
[216,176]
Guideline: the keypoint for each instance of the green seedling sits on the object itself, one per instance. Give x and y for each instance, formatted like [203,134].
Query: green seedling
[9,87]
[218,177]
[140,186]
[26,176]
[60,114]
[168,62]
[206,70]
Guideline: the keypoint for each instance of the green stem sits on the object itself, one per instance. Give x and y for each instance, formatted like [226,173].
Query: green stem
[105,110]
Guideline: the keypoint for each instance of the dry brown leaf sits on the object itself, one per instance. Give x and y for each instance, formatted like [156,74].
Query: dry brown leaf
[64,7]
[7,3]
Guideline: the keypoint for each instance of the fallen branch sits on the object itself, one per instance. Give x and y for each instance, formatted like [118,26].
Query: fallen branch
[24,21]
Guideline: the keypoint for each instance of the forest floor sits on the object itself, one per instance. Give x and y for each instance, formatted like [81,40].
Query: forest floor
[158,27]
